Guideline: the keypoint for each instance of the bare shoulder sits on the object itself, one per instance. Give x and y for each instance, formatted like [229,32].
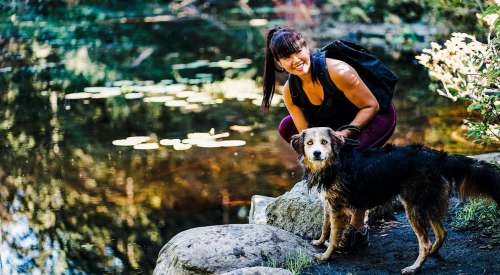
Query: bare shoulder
[341,73]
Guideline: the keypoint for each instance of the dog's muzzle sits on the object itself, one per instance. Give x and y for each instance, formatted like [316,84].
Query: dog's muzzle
[317,155]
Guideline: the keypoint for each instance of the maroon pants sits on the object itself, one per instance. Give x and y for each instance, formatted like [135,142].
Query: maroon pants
[375,134]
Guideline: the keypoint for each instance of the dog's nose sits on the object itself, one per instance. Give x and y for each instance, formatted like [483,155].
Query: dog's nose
[317,154]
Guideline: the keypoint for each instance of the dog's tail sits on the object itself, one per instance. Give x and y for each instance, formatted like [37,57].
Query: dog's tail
[473,178]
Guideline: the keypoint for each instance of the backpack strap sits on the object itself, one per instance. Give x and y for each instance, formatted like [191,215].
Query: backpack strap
[319,59]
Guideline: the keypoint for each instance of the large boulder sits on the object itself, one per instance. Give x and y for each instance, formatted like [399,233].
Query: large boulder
[298,211]
[223,248]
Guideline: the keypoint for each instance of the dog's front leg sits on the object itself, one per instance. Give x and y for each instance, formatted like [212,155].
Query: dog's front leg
[336,225]
[325,229]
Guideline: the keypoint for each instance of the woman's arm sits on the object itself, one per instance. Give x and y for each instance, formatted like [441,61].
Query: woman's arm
[297,115]
[348,81]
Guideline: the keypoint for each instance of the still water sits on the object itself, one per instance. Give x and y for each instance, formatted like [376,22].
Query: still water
[73,200]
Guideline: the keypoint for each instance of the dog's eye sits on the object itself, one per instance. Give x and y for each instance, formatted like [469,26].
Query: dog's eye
[323,141]
[310,142]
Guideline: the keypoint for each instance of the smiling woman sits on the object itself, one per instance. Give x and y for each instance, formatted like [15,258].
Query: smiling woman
[326,92]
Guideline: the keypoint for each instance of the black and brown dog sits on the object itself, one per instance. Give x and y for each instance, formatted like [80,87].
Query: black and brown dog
[422,178]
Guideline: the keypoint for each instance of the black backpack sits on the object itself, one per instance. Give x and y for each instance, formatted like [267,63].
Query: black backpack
[380,80]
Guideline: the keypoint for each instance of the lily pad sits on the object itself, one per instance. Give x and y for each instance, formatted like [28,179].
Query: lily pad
[176,103]
[123,142]
[102,90]
[182,146]
[158,98]
[138,139]
[240,128]
[146,146]
[185,94]
[78,95]
[170,142]
[120,83]
[106,94]
[134,95]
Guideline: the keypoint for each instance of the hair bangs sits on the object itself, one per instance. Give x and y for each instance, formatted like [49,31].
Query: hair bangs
[284,44]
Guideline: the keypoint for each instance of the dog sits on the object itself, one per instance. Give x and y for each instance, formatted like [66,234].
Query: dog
[422,178]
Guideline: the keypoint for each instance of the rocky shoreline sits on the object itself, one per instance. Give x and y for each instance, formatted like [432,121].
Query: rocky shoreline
[277,228]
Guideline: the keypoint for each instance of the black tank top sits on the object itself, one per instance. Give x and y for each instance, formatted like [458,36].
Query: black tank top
[335,110]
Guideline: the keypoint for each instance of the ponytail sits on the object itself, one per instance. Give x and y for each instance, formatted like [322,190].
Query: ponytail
[269,72]
[280,43]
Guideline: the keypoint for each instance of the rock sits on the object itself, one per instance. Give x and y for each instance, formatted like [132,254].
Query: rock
[222,248]
[259,270]
[301,212]
[298,211]
[489,157]
[258,206]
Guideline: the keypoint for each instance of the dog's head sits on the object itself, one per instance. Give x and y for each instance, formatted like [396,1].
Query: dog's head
[318,147]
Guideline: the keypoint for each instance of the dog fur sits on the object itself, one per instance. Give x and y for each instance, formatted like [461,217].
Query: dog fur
[423,179]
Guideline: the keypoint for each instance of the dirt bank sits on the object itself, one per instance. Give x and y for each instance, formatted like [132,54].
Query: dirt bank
[393,245]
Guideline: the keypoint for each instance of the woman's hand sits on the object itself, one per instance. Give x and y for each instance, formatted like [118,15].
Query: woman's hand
[345,133]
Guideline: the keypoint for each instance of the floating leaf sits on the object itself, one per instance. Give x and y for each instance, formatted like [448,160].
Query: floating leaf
[176,103]
[102,90]
[240,128]
[208,144]
[120,83]
[170,142]
[257,22]
[182,146]
[158,98]
[134,95]
[185,94]
[123,142]
[146,146]
[159,89]
[138,139]
[78,95]
[106,94]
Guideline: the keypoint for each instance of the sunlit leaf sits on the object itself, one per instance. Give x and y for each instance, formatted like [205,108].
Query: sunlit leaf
[158,98]
[176,103]
[78,95]
[182,146]
[146,146]
[134,95]
[138,139]
[240,128]
[102,90]
[170,142]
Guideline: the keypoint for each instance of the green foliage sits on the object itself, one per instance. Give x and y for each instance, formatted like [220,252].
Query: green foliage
[467,69]
[295,261]
[478,213]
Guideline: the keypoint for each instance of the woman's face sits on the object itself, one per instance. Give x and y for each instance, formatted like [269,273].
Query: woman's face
[297,63]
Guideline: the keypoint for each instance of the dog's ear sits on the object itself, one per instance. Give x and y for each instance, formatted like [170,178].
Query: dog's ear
[337,140]
[297,143]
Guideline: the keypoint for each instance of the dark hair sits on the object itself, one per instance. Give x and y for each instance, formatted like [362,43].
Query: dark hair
[280,42]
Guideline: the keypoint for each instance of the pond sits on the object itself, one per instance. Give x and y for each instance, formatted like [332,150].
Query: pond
[109,136]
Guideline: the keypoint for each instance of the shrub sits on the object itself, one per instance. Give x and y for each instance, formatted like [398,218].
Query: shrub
[478,213]
[469,70]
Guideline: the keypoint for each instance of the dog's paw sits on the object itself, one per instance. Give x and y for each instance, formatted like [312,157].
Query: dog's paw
[317,242]
[322,257]
[409,270]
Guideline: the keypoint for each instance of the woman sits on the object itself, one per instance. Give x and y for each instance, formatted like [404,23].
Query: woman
[322,91]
